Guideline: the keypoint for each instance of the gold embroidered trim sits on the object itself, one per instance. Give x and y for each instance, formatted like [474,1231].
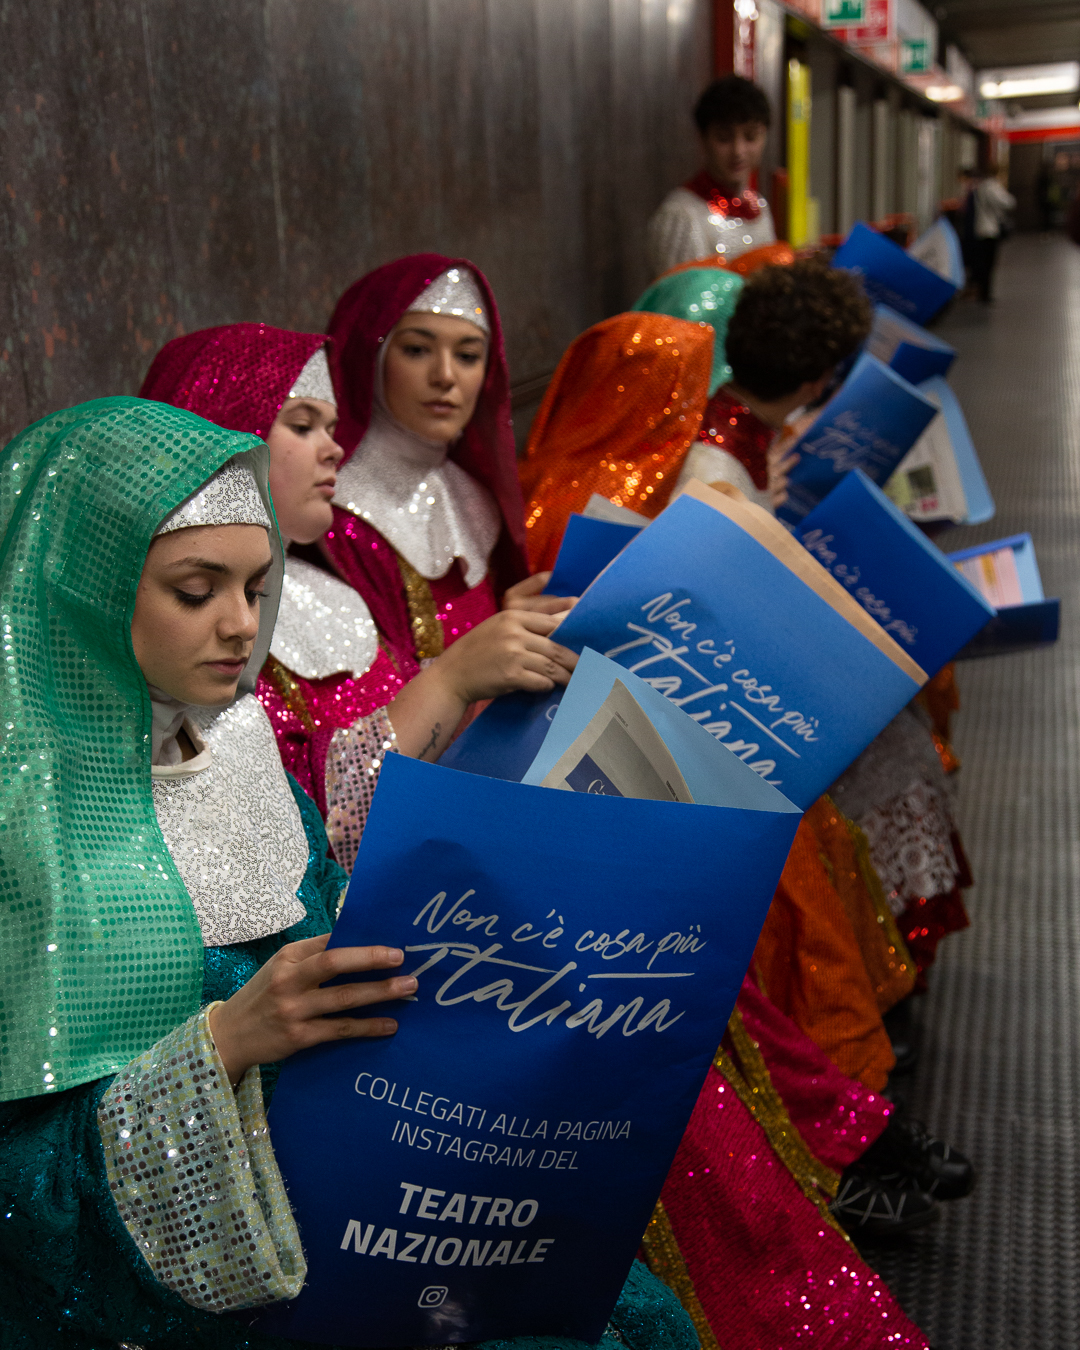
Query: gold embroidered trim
[756,1092]
[290,691]
[877,895]
[427,631]
[666,1262]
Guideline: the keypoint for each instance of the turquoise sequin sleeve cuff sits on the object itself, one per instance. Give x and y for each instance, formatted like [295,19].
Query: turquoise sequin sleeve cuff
[192,1171]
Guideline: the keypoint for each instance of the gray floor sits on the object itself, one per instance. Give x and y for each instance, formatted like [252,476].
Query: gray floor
[999,1074]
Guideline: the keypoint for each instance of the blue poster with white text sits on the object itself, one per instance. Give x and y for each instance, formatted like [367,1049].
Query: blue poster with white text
[490,1170]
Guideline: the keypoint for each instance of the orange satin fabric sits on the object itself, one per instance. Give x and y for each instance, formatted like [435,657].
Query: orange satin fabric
[811,965]
[618,417]
[765,255]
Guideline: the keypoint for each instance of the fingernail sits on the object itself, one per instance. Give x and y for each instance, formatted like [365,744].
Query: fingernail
[409,983]
[396,955]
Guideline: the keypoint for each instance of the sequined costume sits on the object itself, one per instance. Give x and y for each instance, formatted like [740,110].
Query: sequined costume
[329,669]
[608,413]
[700,219]
[141,1196]
[429,535]
[618,417]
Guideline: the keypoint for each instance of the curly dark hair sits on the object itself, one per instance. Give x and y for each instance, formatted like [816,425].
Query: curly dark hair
[731,101]
[794,324]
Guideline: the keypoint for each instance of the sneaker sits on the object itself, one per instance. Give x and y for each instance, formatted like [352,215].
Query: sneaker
[906,1156]
[865,1206]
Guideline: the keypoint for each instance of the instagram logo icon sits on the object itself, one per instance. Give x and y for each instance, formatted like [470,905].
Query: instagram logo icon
[434,1296]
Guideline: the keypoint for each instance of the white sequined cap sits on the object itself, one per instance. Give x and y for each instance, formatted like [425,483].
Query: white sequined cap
[314,380]
[456,293]
[231,497]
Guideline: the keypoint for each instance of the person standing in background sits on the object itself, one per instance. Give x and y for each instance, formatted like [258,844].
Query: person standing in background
[717,213]
[986,213]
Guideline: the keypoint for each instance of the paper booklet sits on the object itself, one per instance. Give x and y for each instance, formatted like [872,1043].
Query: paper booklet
[723,612]
[488,1171]
[619,754]
[870,423]
[909,349]
[899,577]
[891,276]
[995,576]
[1001,570]
[941,478]
[599,508]
[939,249]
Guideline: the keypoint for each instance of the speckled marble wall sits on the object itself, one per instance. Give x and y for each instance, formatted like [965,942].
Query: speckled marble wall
[169,164]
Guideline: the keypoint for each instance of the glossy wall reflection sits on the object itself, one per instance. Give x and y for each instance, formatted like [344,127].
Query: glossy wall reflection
[171,164]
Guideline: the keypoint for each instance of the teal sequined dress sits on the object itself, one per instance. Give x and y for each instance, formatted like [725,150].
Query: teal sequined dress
[71,1278]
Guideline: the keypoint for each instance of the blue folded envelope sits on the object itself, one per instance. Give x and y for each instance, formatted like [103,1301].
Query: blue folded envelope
[899,577]
[870,423]
[891,276]
[720,610]
[909,349]
[941,478]
[489,1171]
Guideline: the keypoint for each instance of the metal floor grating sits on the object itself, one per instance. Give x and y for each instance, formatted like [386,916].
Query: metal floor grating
[999,1073]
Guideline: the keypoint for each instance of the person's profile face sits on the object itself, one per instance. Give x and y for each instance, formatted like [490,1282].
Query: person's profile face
[733,151]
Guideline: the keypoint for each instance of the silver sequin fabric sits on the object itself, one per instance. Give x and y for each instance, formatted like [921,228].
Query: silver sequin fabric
[314,380]
[455,292]
[234,830]
[686,228]
[231,497]
[353,762]
[323,626]
[191,1169]
[430,512]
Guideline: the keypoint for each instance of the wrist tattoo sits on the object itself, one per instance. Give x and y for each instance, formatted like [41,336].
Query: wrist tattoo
[435,732]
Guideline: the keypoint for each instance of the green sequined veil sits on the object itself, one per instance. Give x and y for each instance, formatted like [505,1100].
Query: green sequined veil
[698,295]
[102,953]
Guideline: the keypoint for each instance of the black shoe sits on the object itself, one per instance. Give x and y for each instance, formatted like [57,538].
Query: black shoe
[904,1035]
[866,1207]
[907,1156]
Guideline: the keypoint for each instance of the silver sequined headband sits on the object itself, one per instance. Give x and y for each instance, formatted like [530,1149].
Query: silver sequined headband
[231,497]
[455,293]
[314,380]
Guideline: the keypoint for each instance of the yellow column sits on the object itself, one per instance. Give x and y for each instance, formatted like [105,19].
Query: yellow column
[798,154]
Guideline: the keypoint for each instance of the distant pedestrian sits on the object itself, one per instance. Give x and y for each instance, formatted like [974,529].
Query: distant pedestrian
[986,214]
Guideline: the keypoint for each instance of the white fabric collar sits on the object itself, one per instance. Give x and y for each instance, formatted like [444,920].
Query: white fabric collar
[425,505]
[323,626]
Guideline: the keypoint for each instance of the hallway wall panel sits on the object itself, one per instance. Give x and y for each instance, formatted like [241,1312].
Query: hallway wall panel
[170,164]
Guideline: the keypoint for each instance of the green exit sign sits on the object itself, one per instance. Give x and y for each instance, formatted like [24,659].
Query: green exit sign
[843,13]
[915,56]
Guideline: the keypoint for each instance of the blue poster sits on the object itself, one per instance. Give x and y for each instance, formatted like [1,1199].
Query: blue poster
[899,577]
[891,276]
[489,1170]
[909,349]
[710,617]
[870,423]
[588,545]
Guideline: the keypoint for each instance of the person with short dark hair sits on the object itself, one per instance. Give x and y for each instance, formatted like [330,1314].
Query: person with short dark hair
[791,329]
[717,214]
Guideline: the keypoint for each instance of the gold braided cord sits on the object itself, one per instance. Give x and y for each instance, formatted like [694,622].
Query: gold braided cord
[877,895]
[816,1181]
[666,1262]
[290,691]
[427,631]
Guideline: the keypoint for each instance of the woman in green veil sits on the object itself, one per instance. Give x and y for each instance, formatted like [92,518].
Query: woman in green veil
[166,897]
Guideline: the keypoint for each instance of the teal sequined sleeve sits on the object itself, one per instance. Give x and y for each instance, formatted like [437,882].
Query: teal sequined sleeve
[71,1278]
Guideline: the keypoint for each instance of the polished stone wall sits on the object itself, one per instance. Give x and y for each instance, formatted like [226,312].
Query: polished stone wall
[170,164]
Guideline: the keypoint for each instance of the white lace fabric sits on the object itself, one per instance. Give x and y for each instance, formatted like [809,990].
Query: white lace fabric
[323,625]
[353,763]
[422,503]
[711,464]
[233,828]
[192,1171]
